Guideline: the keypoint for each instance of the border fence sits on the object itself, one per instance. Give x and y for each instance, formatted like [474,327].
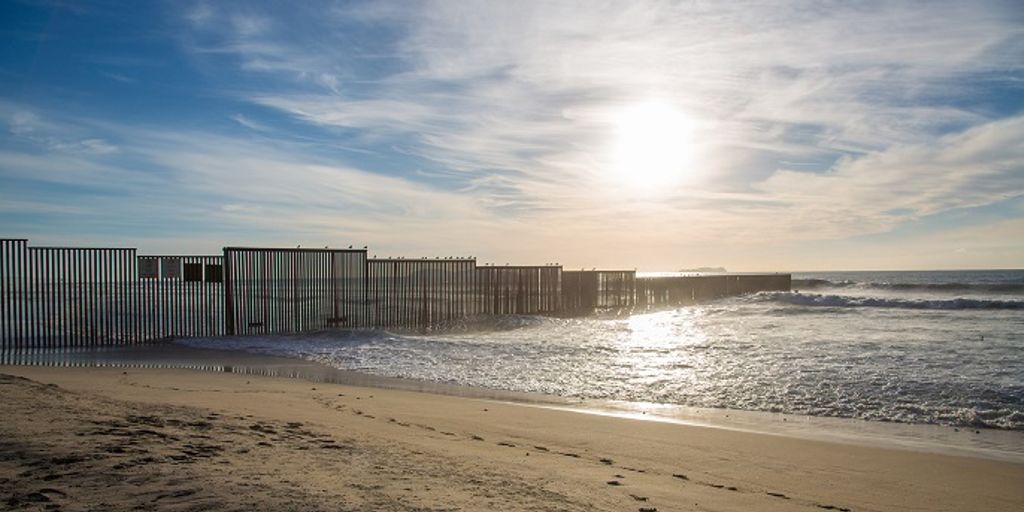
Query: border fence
[55,297]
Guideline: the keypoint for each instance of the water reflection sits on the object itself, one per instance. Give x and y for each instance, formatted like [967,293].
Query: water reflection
[174,356]
[660,348]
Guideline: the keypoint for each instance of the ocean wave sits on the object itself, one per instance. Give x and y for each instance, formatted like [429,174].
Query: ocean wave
[490,323]
[815,283]
[844,301]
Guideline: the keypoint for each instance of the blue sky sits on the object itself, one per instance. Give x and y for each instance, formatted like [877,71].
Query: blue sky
[796,135]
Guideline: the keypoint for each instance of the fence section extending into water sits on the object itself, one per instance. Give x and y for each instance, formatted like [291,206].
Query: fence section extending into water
[584,291]
[519,290]
[420,293]
[658,291]
[55,297]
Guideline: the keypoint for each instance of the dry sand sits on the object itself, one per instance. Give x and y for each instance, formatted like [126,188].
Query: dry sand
[113,439]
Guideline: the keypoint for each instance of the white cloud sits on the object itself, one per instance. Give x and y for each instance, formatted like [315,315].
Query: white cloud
[814,121]
[980,166]
[26,125]
[249,123]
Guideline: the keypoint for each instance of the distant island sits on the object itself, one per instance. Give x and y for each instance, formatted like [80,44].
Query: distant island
[705,269]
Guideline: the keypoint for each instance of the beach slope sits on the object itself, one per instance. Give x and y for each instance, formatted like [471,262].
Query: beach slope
[149,439]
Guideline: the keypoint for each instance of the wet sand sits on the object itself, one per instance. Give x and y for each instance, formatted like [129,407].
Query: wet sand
[169,439]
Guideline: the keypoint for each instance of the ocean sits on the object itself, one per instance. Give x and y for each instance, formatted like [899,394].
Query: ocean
[940,348]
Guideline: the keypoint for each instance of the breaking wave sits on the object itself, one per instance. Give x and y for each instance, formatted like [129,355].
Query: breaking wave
[815,284]
[844,301]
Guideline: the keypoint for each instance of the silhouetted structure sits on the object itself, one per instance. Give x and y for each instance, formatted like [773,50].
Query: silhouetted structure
[75,297]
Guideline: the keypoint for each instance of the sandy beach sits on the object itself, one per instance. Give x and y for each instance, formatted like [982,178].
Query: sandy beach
[115,439]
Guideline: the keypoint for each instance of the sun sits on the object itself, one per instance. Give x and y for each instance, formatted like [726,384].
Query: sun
[652,146]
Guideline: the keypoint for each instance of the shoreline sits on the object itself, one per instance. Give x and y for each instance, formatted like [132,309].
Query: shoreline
[227,437]
[984,443]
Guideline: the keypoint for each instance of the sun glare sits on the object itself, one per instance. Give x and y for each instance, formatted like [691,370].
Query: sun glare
[653,145]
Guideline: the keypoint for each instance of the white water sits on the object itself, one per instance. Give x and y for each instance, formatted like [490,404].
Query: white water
[936,348]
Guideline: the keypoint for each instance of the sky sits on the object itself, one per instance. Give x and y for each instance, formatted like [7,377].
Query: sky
[624,134]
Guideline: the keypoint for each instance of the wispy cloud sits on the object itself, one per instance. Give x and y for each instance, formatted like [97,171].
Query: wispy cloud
[25,124]
[458,124]
[249,123]
[526,95]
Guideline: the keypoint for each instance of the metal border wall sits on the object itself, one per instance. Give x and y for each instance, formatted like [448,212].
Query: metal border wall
[56,297]
[180,296]
[519,290]
[421,293]
[584,291]
[288,291]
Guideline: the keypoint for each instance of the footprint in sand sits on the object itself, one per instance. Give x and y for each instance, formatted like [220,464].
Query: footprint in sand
[833,507]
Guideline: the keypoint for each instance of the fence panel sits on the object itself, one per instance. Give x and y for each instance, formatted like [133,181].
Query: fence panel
[519,290]
[59,297]
[420,294]
[180,296]
[287,291]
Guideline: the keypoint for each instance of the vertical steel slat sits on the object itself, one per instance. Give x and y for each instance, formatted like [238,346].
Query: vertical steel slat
[245,291]
[8,302]
[85,298]
[275,292]
[266,267]
[56,314]
[11,296]
[107,294]
[115,291]
[161,300]
[50,300]
[249,290]
[335,309]
[95,320]
[31,301]
[24,293]
[153,306]
[81,307]
[67,333]
[101,300]
[114,298]
[144,303]
[100,311]
[38,300]
[229,307]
